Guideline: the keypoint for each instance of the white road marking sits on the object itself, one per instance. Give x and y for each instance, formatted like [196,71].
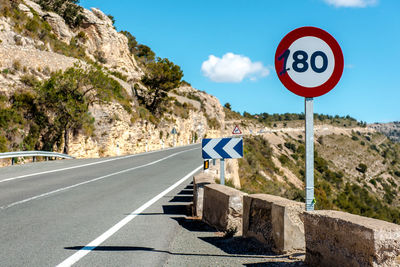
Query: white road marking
[95,243]
[90,181]
[80,166]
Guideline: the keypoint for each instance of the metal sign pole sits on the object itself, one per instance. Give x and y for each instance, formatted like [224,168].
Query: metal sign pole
[222,176]
[309,112]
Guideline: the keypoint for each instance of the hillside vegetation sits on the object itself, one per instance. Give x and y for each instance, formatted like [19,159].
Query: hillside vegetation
[356,170]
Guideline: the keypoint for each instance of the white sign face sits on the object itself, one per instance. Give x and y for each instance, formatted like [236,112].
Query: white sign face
[311,61]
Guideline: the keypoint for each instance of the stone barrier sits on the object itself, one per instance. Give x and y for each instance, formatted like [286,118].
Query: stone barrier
[223,208]
[199,181]
[274,221]
[335,238]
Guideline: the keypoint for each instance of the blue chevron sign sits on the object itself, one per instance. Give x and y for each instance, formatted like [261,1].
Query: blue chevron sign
[222,148]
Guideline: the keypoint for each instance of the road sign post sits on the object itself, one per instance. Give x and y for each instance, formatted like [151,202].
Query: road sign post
[309,113]
[222,171]
[222,148]
[174,132]
[309,62]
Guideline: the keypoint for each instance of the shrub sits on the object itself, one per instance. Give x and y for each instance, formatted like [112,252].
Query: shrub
[320,140]
[100,56]
[284,159]
[17,65]
[3,144]
[81,36]
[67,9]
[162,76]
[18,40]
[213,123]
[185,83]
[111,17]
[290,146]
[29,80]
[361,168]
[32,25]
[373,147]
[119,75]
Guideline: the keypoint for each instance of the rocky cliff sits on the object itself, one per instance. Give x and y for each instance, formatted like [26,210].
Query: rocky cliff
[391,129]
[115,131]
[27,50]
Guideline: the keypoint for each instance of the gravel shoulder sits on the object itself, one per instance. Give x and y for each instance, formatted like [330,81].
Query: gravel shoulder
[197,244]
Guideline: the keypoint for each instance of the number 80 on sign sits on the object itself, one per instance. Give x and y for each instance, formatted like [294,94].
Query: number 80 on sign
[309,62]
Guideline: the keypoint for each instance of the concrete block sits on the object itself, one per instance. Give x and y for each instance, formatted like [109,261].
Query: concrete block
[223,207]
[274,221]
[335,238]
[199,181]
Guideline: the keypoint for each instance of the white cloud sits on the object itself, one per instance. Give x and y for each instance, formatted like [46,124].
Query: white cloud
[351,3]
[232,68]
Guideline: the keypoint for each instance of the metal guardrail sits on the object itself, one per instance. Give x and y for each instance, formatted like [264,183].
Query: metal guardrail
[33,154]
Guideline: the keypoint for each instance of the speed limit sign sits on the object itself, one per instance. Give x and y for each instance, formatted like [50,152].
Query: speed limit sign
[309,62]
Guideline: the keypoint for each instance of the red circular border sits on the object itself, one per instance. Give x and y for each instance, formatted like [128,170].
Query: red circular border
[337,53]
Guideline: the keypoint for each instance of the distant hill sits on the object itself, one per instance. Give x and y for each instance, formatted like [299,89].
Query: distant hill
[391,129]
[357,168]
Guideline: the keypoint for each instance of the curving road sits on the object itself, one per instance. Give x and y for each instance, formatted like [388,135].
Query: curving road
[91,212]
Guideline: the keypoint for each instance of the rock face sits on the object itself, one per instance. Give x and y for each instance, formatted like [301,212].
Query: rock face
[115,131]
[106,43]
[63,32]
[335,238]
[391,130]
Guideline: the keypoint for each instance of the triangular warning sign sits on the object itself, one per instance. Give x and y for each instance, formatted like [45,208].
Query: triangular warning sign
[236,130]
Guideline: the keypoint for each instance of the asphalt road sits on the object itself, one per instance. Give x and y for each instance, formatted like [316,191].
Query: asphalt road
[94,212]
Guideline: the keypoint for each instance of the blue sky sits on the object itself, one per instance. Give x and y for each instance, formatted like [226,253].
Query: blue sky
[188,32]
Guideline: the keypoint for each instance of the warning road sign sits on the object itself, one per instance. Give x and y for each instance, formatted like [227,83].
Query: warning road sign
[236,130]
[222,148]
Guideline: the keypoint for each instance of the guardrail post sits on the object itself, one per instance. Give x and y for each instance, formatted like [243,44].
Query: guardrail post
[12,161]
[34,159]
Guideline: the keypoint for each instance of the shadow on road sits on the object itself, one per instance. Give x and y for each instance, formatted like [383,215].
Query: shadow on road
[182,199]
[245,250]
[278,264]
[186,192]
[132,248]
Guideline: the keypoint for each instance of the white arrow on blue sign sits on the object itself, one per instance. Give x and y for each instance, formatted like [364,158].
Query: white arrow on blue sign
[222,148]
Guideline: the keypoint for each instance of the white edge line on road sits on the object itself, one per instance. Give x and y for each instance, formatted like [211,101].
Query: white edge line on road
[90,181]
[85,165]
[95,243]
